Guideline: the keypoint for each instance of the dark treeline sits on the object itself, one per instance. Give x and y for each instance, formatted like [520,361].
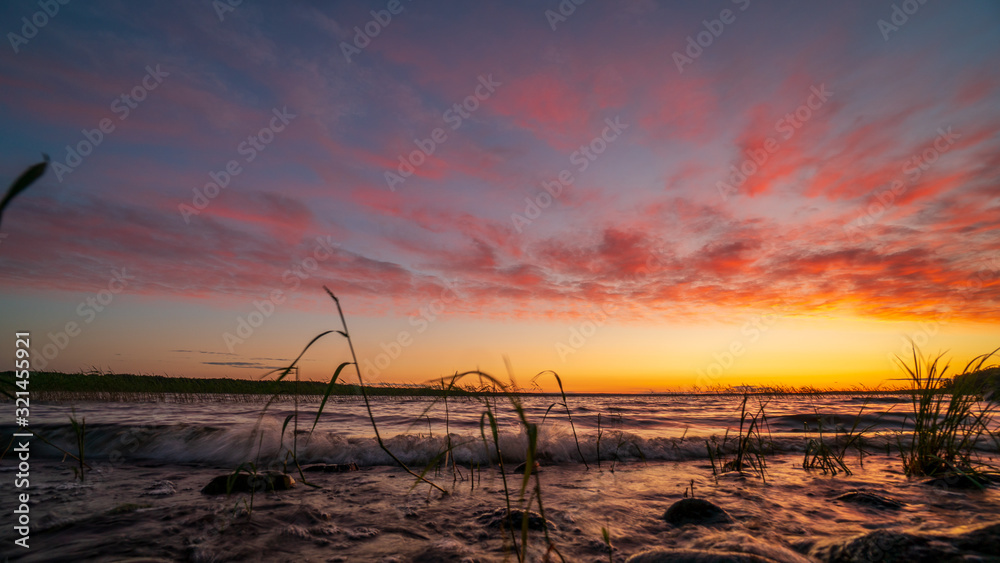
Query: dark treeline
[114,386]
[47,383]
[985,381]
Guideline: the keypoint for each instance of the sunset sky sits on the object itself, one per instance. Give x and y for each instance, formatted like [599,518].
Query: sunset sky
[637,194]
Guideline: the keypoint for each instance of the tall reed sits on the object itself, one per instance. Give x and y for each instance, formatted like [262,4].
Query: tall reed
[828,456]
[364,393]
[489,420]
[80,432]
[565,405]
[750,447]
[23,181]
[949,419]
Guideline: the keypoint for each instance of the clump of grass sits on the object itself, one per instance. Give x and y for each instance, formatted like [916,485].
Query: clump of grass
[525,500]
[750,446]
[488,392]
[621,440]
[689,489]
[828,456]
[949,419]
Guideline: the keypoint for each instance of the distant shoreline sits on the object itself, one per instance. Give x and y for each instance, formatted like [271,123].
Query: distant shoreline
[54,385]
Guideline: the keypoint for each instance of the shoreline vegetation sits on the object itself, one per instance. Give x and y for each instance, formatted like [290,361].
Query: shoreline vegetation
[109,386]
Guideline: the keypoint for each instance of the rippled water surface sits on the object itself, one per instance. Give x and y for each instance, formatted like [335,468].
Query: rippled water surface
[665,427]
[142,497]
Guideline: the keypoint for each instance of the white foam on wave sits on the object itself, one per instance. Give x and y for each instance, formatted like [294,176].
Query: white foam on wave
[265,444]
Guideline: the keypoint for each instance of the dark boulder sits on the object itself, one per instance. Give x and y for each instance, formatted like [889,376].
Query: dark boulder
[696,511]
[497,518]
[985,539]
[961,482]
[978,544]
[160,489]
[245,483]
[523,465]
[884,546]
[331,467]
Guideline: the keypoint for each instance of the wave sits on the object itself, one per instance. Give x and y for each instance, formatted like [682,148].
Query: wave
[228,446]
[798,422]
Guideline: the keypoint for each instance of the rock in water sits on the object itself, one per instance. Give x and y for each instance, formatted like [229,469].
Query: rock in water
[882,545]
[696,556]
[983,540]
[498,518]
[959,482]
[245,483]
[331,467]
[521,467]
[160,489]
[888,546]
[870,499]
[696,511]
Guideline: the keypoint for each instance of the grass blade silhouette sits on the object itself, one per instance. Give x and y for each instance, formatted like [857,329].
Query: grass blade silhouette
[22,182]
[260,418]
[364,394]
[569,415]
[329,389]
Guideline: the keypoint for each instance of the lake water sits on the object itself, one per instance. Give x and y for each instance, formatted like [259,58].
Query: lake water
[660,427]
[149,461]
